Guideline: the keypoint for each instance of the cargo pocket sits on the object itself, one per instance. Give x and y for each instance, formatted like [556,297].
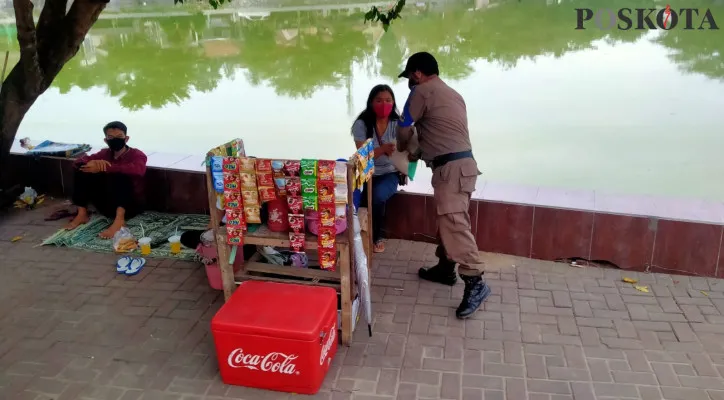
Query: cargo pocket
[468,176]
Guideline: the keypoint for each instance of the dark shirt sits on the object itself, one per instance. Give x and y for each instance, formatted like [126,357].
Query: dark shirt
[131,163]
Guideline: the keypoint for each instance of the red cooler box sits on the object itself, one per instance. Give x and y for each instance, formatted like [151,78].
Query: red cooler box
[276,336]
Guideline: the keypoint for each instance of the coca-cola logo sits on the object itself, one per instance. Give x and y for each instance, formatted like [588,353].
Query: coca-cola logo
[331,341]
[273,362]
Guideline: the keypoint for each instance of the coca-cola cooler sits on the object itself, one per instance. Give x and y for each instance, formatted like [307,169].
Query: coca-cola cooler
[276,336]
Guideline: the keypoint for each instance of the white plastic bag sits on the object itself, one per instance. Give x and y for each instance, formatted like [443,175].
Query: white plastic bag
[123,241]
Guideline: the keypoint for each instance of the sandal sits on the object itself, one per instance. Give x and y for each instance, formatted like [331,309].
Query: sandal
[379,247]
[135,266]
[123,264]
[61,213]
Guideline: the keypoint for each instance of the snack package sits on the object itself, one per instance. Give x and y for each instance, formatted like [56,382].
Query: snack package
[340,193]
[281,185]
[217,164]
[296,242]
[230,164]
[247,164]
[295,205]
[232,201]
[326,215]
[267,193]
[327,238]
[296,223]
[340,210]
[308,168]
[263,165]
[248,180]
[340,172]
[250,198]
[234,236]
[278,168]
[327,259]
[218,180]
[252,215]
[325,190]
[265,179]
[292,167]
[123,241]
[235,219]
[326,170]
[309,202]
[294,187]
[309,186]
[232,182]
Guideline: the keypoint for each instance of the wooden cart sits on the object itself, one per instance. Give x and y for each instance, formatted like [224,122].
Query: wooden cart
[343,279]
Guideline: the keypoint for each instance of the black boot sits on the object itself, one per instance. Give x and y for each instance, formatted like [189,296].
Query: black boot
[443,272]
[476,291]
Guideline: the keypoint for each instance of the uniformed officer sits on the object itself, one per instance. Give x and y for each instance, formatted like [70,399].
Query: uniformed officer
[440,118]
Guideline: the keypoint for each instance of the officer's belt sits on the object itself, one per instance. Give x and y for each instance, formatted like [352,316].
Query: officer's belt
[441,160]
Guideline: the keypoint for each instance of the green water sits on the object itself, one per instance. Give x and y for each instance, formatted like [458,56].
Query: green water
[631,112]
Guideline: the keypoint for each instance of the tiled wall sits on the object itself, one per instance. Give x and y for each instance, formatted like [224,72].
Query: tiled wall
[543,232]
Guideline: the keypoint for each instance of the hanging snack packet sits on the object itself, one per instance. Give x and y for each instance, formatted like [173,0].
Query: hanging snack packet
[232,201]
[234,236]
[230,164]
[248,180]
[265,179]
[252,215]
[325,191]
[295,205]
[340,210]
[247,164]
[217,164]
[292,167]
[327,259]
[232,182]
[250,198]
[309,203]
[340,193]
[267,194]
[296,223]
[340,172]
[309,186]
[235,218]
[308,168]
[327,238]
[277,168]
[218,181]
[326,170]
[294,187]
[281,185]
[296,242]
[326,215]
[263,165]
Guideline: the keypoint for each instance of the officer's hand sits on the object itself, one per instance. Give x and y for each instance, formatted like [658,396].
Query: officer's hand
[412,157]
[388,148]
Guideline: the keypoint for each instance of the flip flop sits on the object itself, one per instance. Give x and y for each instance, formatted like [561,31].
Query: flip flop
[123,264]
[60,214]
[136,266]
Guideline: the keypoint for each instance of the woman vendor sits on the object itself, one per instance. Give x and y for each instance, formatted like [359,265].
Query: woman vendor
[379,122]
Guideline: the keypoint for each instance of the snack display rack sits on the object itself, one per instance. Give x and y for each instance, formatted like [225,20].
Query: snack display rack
[342,279]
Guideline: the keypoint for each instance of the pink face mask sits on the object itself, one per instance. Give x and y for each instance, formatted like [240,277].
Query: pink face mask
[382,110]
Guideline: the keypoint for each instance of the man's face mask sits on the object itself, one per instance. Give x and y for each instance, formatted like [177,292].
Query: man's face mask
[412,81]
[116,144]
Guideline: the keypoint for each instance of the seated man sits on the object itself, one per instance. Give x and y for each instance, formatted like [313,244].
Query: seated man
[111,180]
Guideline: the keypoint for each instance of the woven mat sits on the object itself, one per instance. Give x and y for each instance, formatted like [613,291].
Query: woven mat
[159,227]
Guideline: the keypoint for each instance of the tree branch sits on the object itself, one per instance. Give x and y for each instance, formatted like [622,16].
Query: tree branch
[51,16]
[28,42]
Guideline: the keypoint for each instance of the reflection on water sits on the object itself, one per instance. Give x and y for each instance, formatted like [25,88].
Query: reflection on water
[630,111]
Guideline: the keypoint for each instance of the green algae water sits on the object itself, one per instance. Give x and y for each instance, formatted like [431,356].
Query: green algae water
[637,111]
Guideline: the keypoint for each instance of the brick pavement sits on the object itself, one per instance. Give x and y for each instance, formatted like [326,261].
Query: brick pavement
[70,328]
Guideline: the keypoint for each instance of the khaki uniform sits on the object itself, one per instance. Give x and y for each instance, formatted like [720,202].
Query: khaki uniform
[440,118]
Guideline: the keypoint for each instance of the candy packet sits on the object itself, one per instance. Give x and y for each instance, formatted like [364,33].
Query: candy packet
[218,181]
[277,168]
[296,242]
[309,186]
[296,205]
[234,218]
[267,194]
[232,201]
[248,180]
[326,215]
[327,238]
[292,167]
[217,164]
[234,236]
[230,164]
[308,168]
[327,259]
[326,170]
[263,165]
[326,194]
[247,164]
[281,185]
[340,193]
[232,182]
[250,197]
[294,187]
[265,179]
[252,215]
[296,222]
[340,172]
[309,202]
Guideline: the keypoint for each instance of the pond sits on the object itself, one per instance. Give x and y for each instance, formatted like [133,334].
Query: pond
[637,111]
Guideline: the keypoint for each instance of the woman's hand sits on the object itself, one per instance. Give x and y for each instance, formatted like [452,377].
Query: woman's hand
[387,148]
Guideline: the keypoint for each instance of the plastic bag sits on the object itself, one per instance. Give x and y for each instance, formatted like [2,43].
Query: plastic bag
[123,241]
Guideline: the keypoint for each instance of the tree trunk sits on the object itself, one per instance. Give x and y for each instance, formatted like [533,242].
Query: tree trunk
[13,107]
[44,50]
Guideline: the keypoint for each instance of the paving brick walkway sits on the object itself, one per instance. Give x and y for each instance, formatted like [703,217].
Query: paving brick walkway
[70,328]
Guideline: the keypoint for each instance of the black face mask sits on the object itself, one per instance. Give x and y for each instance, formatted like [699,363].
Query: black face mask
[411,83]
[116,144]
